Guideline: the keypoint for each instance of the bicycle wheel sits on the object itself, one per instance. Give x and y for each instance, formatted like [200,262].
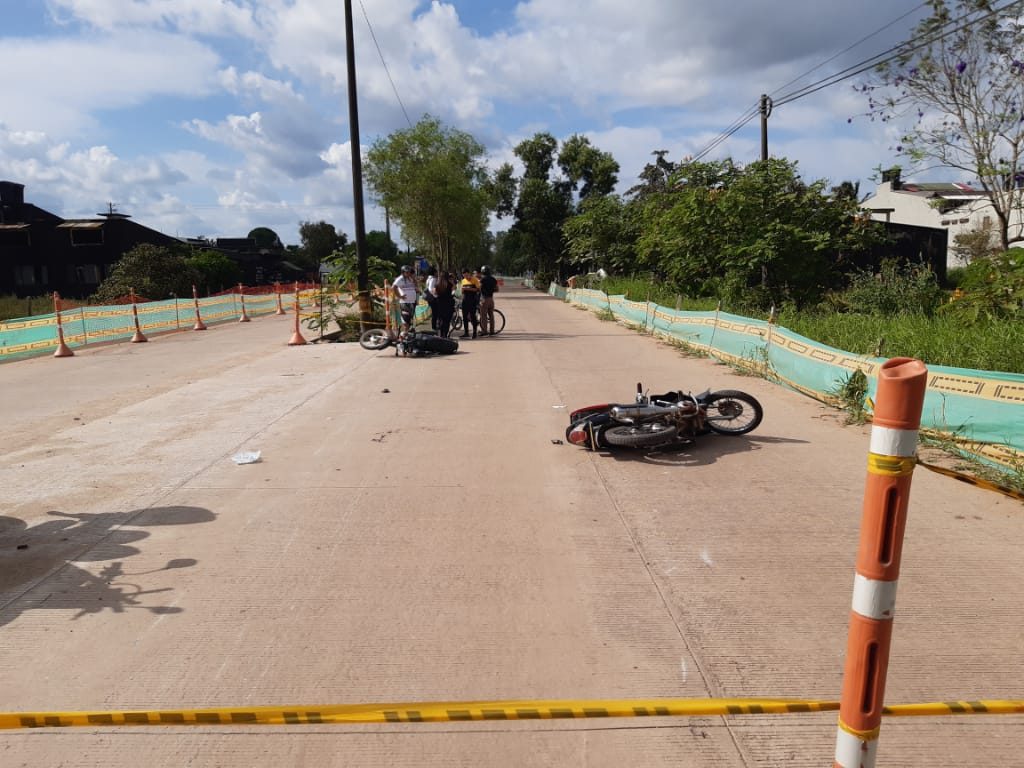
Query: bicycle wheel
[456,321]
[499,322]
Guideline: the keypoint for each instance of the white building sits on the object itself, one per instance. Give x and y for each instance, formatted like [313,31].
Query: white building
[957,208]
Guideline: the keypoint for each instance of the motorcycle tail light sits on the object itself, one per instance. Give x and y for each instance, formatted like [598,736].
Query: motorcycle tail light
[579,436]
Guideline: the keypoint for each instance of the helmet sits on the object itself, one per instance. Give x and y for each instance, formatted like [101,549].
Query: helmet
[406,268]
[485,270]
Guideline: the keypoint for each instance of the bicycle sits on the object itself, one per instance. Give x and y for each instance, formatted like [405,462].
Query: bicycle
[499,318]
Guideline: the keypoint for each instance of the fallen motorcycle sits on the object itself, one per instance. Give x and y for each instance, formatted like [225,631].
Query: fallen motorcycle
[655,421]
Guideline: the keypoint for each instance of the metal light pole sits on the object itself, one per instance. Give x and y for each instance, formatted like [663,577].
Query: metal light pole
[362,279]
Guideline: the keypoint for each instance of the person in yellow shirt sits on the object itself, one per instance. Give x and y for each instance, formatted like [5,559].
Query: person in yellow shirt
[470,287]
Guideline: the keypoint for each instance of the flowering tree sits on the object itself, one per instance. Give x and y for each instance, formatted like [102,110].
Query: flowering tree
[960,80]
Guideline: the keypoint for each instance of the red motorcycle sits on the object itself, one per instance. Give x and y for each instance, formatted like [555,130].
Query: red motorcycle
[655,421]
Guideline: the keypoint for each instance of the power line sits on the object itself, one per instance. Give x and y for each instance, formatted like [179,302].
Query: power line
[386,70]
[888,55]
[850,47]
[738,123]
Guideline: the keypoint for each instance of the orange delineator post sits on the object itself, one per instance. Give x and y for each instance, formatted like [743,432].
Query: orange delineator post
[200,325]
[243,318]
[63,350]
[138,337]
[297,337]
[898,403]
[277,290]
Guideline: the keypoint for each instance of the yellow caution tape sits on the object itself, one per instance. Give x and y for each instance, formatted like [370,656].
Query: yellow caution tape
[981,707]
[891,466]
[471,711]
[988,485]
[420,712]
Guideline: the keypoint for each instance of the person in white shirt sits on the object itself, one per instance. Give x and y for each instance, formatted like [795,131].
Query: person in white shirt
[404,289]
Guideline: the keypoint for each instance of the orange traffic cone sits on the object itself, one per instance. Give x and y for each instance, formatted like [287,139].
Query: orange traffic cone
[297,337]
[243,318]
[63,350]
[138,338]
[277,290]
[200,325]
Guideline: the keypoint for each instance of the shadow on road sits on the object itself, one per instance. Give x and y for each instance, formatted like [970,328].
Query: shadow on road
[37,563]
[706,449]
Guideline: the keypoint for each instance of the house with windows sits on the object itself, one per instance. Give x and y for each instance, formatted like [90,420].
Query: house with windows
[41,252]
[958,209]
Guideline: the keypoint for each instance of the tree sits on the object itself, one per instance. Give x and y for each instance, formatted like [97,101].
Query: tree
[963,79]
[590,171]
[434,182]
[214,270]
[152,271]
[602,235]
[266,239]
[319,241]
[754,235]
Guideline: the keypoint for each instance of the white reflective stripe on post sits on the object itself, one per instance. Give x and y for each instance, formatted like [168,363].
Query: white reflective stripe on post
[852,752]
[893,442]
[874,599]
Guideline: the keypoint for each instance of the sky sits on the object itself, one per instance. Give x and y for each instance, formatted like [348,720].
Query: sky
[208,118]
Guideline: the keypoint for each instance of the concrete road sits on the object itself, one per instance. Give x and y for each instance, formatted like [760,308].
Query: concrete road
[413,533]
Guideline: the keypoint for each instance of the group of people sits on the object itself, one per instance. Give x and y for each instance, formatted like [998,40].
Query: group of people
[476,288]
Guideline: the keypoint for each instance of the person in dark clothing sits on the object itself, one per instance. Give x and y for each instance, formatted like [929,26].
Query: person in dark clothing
[429,295]
[444,302]
[488,287]
[470,302]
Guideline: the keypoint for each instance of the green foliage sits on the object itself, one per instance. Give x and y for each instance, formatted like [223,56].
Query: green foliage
[898,289]
[601,235]
[12,306]
[852,392]
[215,271]
[434,181]
[944,339]
[153,271]
[993,289]
[542,201]
[344,267]
[319,241]
[755,235]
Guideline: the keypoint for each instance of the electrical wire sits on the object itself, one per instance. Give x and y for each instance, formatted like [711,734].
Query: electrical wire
[901,49]
[896,51]
[849,48]
[741,121]
[386,70]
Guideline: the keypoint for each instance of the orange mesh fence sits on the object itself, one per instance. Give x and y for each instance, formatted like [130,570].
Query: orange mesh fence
[84,324]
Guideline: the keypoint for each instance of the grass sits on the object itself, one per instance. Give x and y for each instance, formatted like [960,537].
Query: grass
[13,306]
[986,345]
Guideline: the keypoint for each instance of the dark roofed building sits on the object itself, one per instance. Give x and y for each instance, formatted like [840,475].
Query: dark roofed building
[40,252]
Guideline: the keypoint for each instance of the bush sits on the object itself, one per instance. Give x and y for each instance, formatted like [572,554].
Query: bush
[898,289]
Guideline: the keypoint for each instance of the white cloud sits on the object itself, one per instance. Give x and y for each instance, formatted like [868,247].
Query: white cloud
[63,83]
[202,17]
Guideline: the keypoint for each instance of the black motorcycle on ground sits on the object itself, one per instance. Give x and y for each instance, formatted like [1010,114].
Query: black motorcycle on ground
[655,421]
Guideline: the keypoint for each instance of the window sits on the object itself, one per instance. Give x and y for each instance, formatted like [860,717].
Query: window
[88,274]
[24,274]
[91,236]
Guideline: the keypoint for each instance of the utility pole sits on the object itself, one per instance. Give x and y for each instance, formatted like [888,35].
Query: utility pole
[363,278]
[766,110]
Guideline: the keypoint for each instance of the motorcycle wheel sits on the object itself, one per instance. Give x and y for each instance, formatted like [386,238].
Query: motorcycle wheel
[375,338]
[641,436]
[731,412]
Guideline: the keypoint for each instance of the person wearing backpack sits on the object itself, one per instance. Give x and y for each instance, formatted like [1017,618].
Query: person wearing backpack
[488,287]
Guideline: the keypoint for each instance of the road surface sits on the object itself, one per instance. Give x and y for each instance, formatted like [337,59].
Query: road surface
[414,533]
